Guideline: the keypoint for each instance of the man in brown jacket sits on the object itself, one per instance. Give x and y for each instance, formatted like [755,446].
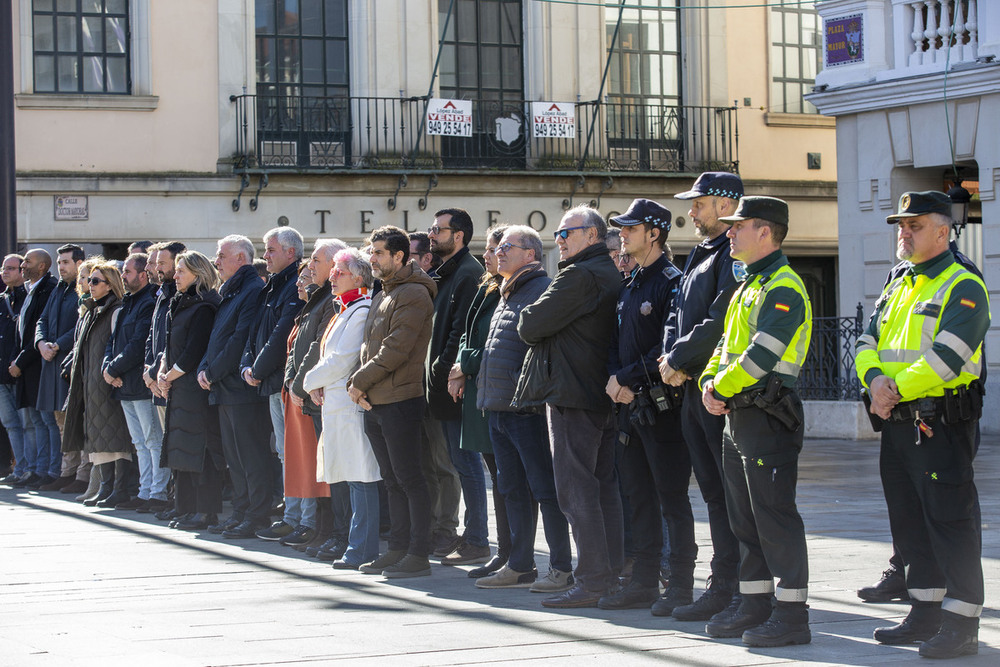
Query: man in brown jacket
[389,386]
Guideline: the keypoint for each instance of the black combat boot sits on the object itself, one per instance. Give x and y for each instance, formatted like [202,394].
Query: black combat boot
[751,612]
[922,623]
[959,635]
[715,598]
[788,624]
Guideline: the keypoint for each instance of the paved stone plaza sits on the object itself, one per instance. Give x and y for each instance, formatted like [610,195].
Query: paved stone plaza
[104,588]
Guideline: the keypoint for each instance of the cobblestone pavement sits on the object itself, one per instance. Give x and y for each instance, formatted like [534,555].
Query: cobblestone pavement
[95,587]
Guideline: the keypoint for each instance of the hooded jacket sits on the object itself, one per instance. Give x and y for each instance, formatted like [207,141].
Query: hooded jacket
[397,333]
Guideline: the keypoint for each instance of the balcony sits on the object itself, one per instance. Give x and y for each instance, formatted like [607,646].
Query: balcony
[905,48]
[334,134]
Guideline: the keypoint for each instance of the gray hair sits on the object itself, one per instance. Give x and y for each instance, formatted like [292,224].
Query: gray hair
[287,237]
[240,244]
[589,217]
[527,237]
[330,247]
[614,238]
[357,264]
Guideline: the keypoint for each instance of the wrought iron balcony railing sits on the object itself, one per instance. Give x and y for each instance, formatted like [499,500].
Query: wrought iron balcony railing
[828,373]
[280,132]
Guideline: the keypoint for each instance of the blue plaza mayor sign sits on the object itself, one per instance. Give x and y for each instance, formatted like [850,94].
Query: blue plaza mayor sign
[844,40]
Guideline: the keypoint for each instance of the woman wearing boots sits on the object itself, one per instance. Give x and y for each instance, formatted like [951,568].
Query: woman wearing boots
[192,444]
[95,423]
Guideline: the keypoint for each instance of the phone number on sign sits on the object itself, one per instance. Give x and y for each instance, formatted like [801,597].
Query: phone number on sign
[555,131]
[450,128]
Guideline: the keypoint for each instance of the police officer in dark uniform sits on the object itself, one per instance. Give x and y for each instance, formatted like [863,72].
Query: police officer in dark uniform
[920,359]
[693,329]
[653,460]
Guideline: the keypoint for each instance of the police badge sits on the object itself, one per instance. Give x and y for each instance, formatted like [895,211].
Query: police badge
[646,308]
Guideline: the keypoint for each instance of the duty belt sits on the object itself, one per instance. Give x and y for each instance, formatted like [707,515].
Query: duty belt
[922,408]
[743,400]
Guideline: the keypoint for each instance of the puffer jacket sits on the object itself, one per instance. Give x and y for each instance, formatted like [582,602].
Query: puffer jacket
[126,349]
[504,351]
[230,330]
[397,332]
[95,421]
[312,321]
[569,330]
[267,345]
[190,420]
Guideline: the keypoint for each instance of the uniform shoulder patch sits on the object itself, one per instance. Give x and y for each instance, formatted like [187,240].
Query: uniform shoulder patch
[968,303]
[782,307]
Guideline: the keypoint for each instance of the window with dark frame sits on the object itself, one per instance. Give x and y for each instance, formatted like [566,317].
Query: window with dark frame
[482,54]
[795,57]
[81,47]
[645,62]
[302,48]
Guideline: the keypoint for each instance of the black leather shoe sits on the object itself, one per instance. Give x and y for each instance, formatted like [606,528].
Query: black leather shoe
[922,623]
[892,586]
[200,521]
[113,500]
[486,569]
[344,565]
[332,550]
[167,514]
[777,631]
[153,506]
[43,480]
[752,611]
[180,517]
[242,531]
[577,597]
[230,521]
[27,480]
[672,598]
[93,500]
[633,596]
[133,504]
[951,643]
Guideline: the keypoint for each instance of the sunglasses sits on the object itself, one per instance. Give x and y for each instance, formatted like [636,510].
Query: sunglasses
[564,233]
[96,281]
[505,247]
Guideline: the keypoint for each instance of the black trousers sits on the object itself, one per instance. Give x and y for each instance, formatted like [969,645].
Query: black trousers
[245,433]
[199,491]
[760,464]
[394,432]
[703,435]
[932,499]
[655,470]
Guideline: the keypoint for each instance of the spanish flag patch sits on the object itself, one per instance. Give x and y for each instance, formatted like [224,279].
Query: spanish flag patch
[781,306]
[968,303]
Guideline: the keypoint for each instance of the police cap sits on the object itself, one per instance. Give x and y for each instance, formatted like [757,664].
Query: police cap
[643,210]
[717,183]
[912,204]
[765,208]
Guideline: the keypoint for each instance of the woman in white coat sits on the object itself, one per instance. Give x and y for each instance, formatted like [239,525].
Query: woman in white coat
[344,453]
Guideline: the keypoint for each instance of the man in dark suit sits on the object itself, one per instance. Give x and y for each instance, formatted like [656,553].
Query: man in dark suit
[43,463]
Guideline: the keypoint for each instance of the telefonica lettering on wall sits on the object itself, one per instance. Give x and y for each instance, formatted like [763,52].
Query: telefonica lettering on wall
[844,37]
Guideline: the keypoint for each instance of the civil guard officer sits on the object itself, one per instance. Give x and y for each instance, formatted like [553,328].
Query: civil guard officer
[920,360]
[751,378]
[653,460]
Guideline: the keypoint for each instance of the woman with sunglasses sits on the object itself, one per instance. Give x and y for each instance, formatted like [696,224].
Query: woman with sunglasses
[95,422]
[192,441]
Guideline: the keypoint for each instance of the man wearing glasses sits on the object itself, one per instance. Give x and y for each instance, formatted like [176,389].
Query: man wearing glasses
[457,282]
[569,331]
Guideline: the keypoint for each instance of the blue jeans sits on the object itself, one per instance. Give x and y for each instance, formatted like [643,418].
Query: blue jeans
[362,542]
[12,421]
[40,457]
[469,465]
[147,436]
[55,442]
[524,470]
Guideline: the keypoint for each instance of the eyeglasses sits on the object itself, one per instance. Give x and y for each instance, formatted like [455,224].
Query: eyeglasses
[564,233]
[336,273]
[96,281]
[435,230]
[505,247]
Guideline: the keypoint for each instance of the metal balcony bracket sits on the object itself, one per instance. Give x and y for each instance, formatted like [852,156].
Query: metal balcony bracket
[261,184]
[391,204]
[577,185]
[606,185]
[431,184]
[244,184]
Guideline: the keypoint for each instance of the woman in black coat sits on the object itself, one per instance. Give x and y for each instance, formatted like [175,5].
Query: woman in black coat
[192,447]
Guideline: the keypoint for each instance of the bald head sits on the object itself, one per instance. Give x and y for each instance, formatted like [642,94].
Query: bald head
[36,264]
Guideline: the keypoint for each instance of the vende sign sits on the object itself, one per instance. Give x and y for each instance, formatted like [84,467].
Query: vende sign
[449,118]
[553,120]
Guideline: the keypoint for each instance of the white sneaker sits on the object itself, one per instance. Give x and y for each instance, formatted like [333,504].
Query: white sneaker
[508,578]
[556,581]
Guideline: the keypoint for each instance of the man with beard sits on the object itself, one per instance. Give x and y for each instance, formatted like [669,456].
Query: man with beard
[920,359]
[457,281]
[44,459]
[123,370]
[694,327]
[54,340]
[389,386]
[156,342]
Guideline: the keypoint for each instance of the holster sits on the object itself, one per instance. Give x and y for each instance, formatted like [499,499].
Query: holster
[876,421]
[963,403]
